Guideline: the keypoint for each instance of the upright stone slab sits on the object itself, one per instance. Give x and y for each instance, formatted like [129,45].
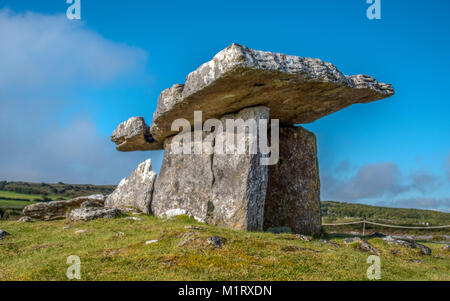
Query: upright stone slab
[240,181]
[184,182]
[135,191]
[293,193]
[220,189]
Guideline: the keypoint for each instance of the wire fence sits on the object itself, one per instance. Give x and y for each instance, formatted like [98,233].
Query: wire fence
[364,222]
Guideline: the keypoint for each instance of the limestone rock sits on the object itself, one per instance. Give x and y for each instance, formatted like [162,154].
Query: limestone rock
[215,241]
[135,191]
[220,189]
[297,90]
[184,183]
[240,182]
[408,243]
[363,245]
[293,192]
[24,219]
[134,135]
[91,204]
[87,214]
[58,209]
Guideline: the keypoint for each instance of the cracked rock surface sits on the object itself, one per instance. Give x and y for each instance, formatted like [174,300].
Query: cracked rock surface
[297,90]
[134,135]
[293,192]
[58,209]
[135,191]
[220,189]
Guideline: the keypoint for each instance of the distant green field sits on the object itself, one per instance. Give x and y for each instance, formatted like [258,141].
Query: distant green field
[15,195]
[14,204]
[9,199]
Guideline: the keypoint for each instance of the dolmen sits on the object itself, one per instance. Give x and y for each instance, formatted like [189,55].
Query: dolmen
[234,153]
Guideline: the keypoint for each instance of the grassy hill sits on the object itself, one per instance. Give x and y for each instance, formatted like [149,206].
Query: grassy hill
[39,251]
[339,211]
[53,191]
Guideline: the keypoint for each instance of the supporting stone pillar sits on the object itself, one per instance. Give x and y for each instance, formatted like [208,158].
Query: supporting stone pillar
[293,193]
[240,181]
[221,189]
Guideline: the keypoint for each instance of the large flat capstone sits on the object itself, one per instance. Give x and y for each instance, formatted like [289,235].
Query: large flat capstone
[297,90]
[293,192]
[220,189]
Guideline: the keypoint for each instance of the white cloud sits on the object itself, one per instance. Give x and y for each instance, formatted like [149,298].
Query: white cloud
[49,50]
[43,59]
[371,181]
[441,204]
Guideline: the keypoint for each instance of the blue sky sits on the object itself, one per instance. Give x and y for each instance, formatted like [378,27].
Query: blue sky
[66,84]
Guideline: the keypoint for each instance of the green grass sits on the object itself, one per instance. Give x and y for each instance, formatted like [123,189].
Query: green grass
[14,204]
[9,199]
[15,195]
[39,250]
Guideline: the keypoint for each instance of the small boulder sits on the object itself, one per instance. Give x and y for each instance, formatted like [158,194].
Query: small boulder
[363,245]
[350,240]
[216,241]
[366,247]
[151,242]
[87,214]
[408,243]
[330,242]
[186,241]
[58,209]
[303,237]
[24,219]
[446,248]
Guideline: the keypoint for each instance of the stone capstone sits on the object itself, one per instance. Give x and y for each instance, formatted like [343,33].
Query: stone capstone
[134,135]
[293,192]
[134,191]
[58,209]
[297,90]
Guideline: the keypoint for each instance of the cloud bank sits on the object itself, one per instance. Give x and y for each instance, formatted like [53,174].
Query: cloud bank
[44,60]
[384,184]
